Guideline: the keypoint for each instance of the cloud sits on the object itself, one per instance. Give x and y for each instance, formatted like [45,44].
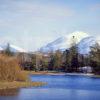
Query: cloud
[36,9]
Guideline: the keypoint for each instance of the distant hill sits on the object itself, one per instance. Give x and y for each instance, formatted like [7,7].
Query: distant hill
[13,48]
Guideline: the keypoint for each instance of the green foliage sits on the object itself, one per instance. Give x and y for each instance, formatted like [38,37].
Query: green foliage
[34,61]
[95,58]
[45,64]
[56,61]
[72,57]
[66,59]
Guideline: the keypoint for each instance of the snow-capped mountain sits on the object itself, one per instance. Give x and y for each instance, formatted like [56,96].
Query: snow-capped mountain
[84,46]
[13,48]
[83,40]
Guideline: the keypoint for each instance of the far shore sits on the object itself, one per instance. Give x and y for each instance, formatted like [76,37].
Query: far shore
[59,73]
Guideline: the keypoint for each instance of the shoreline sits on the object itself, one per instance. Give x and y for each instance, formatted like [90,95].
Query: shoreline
[60,73]
[26,84]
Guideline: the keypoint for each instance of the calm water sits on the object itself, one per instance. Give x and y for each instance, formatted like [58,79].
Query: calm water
[60,87]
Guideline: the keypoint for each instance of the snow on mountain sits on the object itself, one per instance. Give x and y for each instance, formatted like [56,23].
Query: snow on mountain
[13,48]
[83,41]
[64,42]
[85,44]
[16,49]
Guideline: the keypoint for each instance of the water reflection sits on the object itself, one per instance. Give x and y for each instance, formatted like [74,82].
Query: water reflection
[9,92]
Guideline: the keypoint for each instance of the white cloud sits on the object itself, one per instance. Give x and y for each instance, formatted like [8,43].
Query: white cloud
[37,10]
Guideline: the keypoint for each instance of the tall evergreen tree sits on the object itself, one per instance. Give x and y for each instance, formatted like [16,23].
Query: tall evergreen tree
[66,59]
[95,58]
[74,55]
[56,61]
[51,63]
[8,51]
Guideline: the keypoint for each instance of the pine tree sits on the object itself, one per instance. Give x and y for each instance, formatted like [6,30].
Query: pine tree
[56,61]
[66,59]
[73,55]
[95,58]
[8,51]
[51,63]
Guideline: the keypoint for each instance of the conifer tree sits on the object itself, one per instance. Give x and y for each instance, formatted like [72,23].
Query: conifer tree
[95,58]
[73,55]
[8,51]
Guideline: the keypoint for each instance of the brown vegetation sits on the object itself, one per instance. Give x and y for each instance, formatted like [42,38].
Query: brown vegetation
[16,84]
[11,75]
[10,69]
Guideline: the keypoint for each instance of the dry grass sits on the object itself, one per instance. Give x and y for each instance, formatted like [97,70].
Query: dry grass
[10,69]
[16,84]
[11,75]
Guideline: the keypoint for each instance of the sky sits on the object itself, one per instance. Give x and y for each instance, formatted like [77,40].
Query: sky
[31,24]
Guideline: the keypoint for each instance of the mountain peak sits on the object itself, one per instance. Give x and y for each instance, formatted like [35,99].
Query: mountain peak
[82,39]
[79,35]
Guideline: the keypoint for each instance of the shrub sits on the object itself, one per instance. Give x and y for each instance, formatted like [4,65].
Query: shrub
[10,69]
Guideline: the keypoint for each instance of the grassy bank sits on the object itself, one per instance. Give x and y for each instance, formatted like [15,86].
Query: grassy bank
[17,84]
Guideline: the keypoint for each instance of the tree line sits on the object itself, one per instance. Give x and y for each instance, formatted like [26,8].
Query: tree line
[69,60]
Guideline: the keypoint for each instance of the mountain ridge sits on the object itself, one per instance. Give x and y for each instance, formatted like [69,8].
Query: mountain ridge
[12,47]
[83,41]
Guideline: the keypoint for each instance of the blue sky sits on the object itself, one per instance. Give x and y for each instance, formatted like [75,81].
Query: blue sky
[33,23]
